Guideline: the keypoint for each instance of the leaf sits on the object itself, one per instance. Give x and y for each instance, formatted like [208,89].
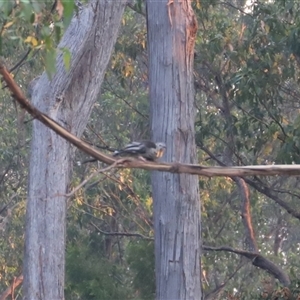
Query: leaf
[45,31]
[58,29]
[68,11]
[31,40]
[59,8]
[6,7]
[67,58]
[34,19]
[27,10]
[8,24]
[37,7]
[50,62]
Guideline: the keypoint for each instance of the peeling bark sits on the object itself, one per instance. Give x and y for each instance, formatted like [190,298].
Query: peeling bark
[246,215]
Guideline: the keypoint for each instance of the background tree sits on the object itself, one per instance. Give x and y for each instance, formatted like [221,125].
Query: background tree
[67,98]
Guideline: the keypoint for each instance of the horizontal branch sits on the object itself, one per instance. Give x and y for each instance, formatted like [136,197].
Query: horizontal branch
[200,170]
[257,260]
[122,233]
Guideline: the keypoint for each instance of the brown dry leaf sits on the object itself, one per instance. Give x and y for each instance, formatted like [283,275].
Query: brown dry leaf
[59,8]
[38,18]
[8,24]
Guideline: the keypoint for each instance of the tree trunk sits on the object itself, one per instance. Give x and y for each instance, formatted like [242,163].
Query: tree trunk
[171,36]
[68,98]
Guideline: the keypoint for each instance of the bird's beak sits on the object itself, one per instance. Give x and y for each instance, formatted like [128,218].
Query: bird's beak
[160,153]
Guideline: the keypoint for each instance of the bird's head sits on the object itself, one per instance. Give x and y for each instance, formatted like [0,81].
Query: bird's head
[161,147]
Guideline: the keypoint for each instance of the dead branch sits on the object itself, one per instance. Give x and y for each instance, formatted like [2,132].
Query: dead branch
[84,182]
[213,294]
[273,195]
[262,170]
[18,64]
[16,282]
[257,260]
[121,233]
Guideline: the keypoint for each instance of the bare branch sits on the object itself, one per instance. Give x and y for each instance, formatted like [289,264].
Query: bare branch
[16,282]
[213,294]
[135,163]
[273,195]
[21,60]
[257,260]
[89,178]
[126,102]
[122,233]
[134,8]
[237,8]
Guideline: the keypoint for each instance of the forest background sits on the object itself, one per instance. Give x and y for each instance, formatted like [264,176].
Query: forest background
[246,74]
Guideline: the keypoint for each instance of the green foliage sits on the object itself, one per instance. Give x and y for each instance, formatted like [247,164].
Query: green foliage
[90,276]
[269,292]
[141,261]
[68,6]
[66,58]
[36,25]
[50,59]
[246,75]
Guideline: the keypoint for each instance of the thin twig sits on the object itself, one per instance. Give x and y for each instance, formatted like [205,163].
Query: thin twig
[122,233]
[89,178]
[21,60]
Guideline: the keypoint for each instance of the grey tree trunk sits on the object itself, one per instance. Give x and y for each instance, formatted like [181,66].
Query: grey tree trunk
[68,98]
[171,36]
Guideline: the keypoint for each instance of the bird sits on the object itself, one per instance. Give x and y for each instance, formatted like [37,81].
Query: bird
[145,150]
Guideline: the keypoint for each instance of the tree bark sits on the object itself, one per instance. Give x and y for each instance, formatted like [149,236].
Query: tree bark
[67,98]
[250,240]
[172,29]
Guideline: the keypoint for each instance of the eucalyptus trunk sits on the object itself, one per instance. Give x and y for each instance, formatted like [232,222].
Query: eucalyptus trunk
[68,98]
[172,30]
